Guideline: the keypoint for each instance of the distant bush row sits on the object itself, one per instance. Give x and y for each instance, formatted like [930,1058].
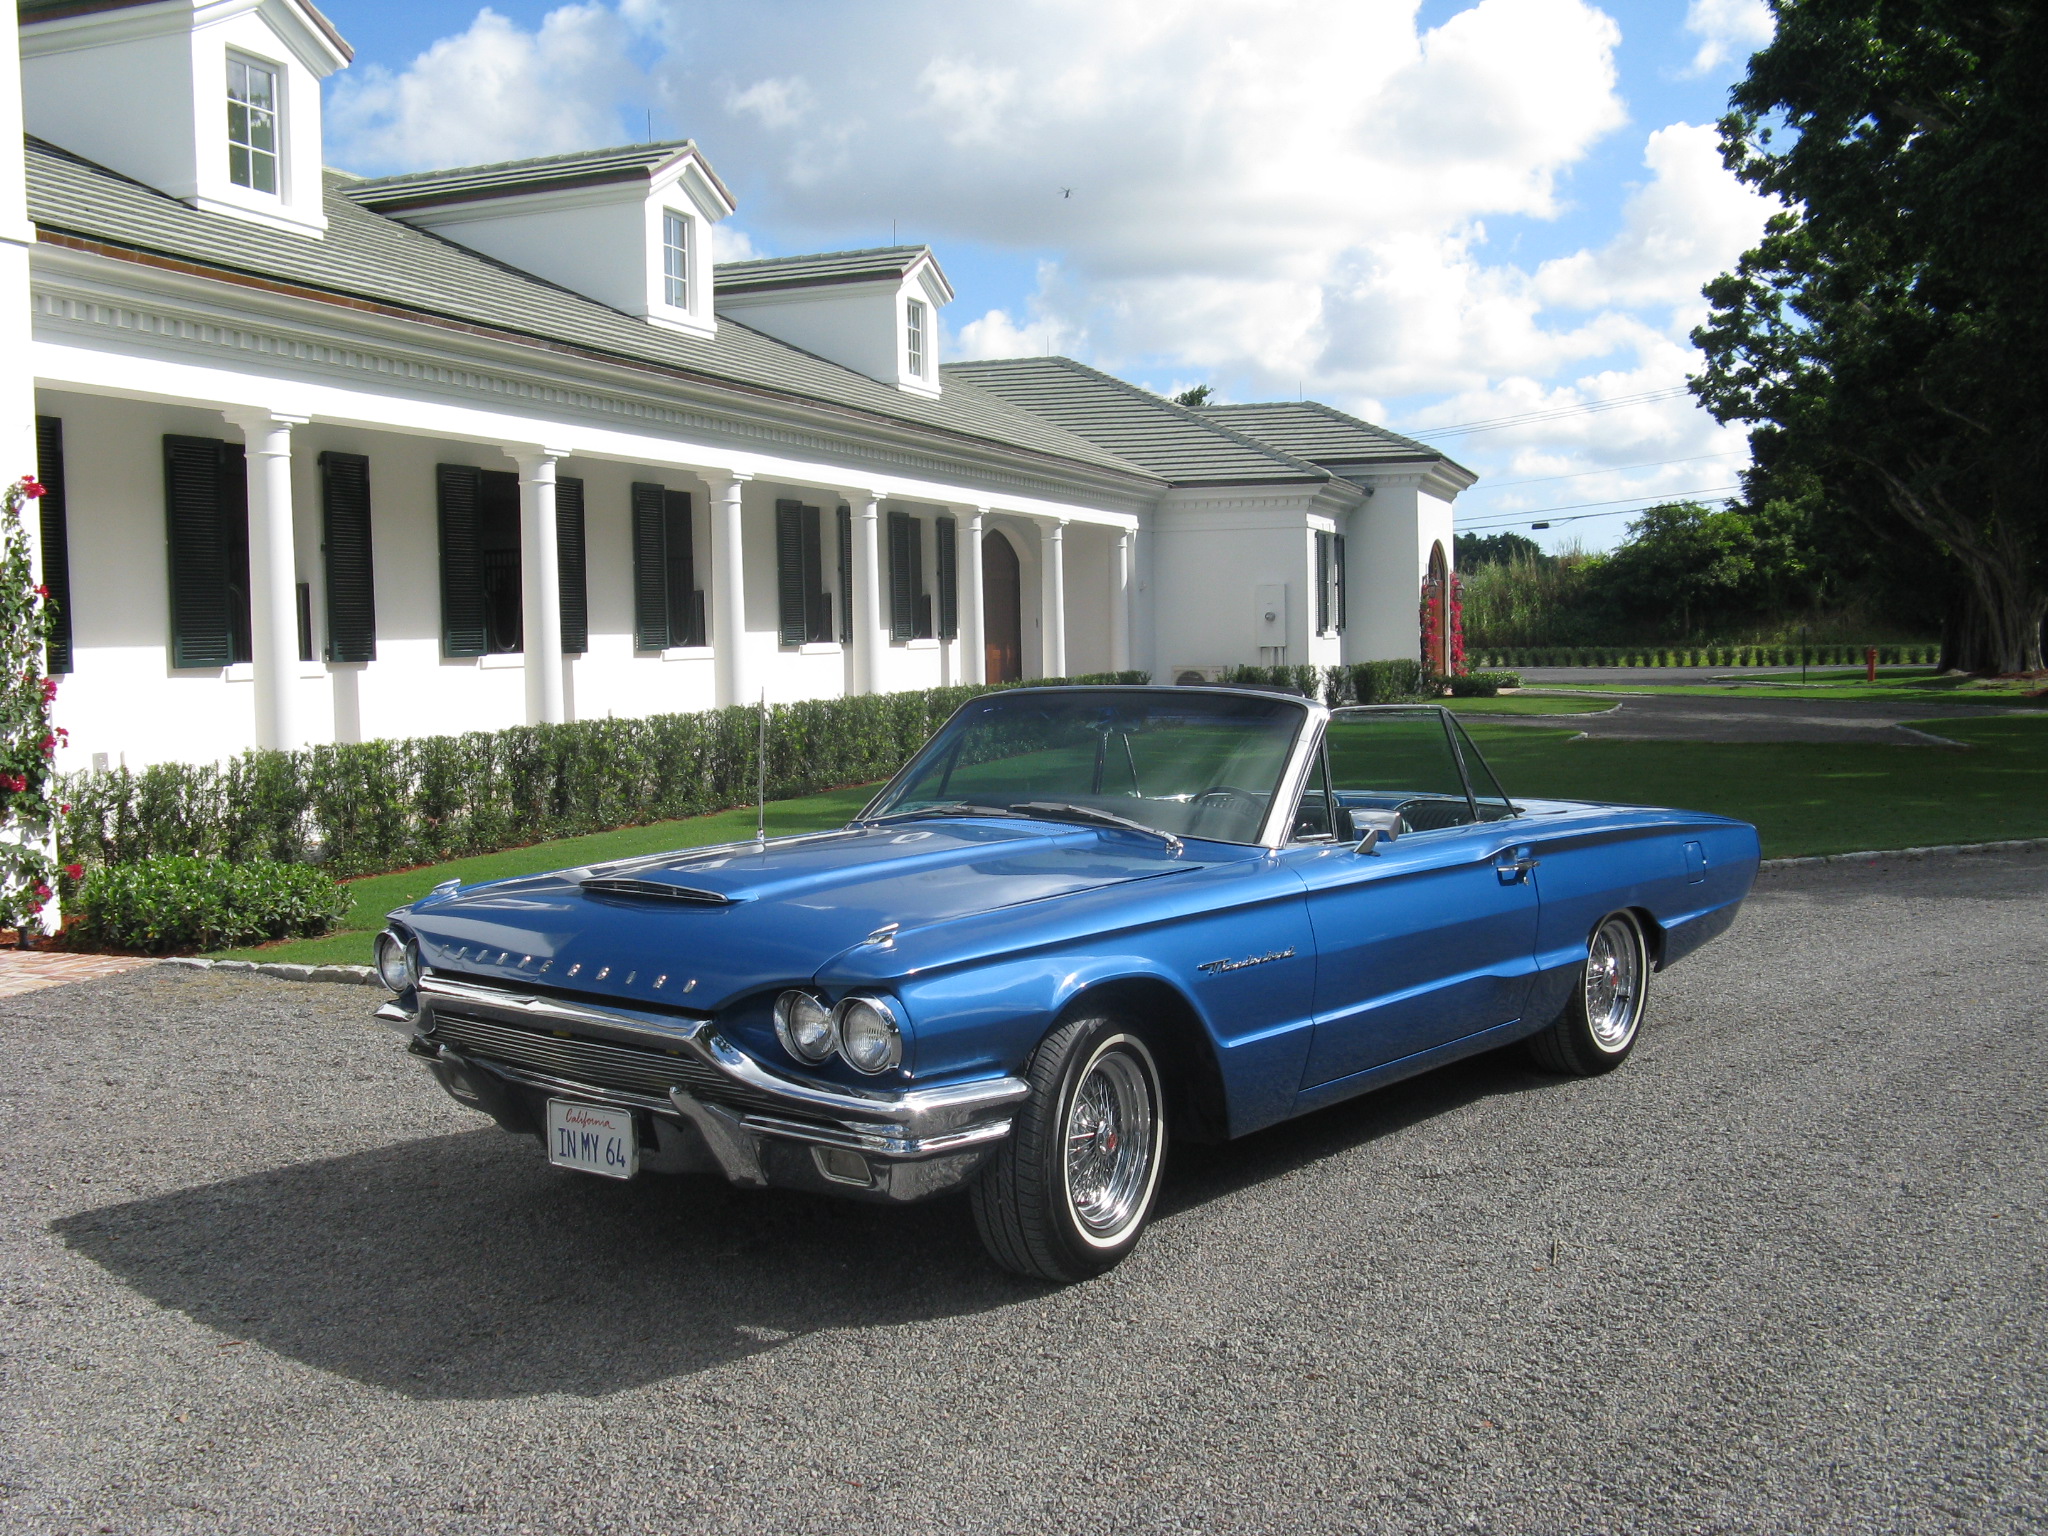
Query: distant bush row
[364,807]
[1838,655]
[1370,682]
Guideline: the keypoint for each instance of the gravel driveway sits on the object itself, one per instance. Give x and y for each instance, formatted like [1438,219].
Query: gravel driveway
[1786,1271]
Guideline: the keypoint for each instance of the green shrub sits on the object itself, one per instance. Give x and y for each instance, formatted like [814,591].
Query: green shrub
[363,807]
[1374,682]
[173,903]
[1303,680]
[1482,685]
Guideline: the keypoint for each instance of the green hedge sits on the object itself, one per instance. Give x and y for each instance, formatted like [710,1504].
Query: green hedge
[361,808]
[1922,655]
[173,903]
[1481,685]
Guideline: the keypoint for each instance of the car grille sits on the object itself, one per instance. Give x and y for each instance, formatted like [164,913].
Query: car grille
[601,1063]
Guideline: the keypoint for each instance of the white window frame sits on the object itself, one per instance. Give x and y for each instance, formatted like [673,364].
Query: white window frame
[914,336]
[683,250]
[275,74]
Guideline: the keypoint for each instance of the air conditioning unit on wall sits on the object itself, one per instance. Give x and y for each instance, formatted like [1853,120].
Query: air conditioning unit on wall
[1195,676]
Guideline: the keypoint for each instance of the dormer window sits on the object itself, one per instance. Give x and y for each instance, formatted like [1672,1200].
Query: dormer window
[675,259]
[252,125]
[914,333]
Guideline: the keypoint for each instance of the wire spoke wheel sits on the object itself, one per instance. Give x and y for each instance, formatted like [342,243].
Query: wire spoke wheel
[1109,1144]
[1613,983]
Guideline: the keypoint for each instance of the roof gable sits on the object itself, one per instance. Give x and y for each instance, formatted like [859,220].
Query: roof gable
[1310,430]
[878,264]
[642,163]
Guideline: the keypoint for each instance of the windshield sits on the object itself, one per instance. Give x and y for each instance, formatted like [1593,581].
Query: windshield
[1177,761]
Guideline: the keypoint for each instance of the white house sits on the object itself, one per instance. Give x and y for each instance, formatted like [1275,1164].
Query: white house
[333,459]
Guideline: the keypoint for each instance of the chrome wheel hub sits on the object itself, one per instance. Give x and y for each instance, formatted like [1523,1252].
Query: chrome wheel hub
[1614,985]
[1109,1142]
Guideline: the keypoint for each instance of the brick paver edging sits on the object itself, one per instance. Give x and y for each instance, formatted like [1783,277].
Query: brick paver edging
[356,975]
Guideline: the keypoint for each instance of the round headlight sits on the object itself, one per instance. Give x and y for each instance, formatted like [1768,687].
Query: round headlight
[868,1036]
[398,961]
[804,1026]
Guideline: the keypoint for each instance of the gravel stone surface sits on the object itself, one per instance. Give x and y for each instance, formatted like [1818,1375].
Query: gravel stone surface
[1784,1271]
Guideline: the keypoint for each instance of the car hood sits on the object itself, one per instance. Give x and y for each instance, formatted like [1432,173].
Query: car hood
[697,928]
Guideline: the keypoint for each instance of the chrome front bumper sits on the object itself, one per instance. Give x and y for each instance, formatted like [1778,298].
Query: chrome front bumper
[759,1127]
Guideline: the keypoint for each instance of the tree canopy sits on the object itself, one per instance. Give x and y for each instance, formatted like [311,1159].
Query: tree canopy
[1889,335]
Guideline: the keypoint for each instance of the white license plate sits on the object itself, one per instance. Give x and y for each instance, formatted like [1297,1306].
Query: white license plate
[592,1139]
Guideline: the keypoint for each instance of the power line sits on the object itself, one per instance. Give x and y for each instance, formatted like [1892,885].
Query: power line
[1621,504]
[1500,423]
[1614,469]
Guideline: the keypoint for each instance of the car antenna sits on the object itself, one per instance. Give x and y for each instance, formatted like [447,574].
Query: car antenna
[761,775]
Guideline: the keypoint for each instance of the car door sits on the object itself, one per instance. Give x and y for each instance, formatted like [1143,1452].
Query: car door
[1429,938]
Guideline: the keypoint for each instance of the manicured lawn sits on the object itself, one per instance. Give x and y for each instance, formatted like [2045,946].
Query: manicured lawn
[1805,797]
[376,895]
[1900,686]
[1528,704]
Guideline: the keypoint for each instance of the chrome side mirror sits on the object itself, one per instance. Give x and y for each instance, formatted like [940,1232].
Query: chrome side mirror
[1372,828]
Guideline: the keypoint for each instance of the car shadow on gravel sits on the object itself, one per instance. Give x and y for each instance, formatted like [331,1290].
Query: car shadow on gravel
[462,1266]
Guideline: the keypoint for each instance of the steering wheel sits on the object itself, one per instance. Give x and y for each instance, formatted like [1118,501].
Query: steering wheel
[1218,800]
[1256,802]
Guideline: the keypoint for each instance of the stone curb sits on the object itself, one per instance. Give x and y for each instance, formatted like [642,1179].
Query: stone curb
[2016,845]
[353,975]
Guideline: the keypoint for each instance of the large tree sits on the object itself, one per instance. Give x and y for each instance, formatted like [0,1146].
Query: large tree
[1889,335]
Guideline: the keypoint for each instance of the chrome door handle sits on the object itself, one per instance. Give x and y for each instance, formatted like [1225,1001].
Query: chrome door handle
[1513,865]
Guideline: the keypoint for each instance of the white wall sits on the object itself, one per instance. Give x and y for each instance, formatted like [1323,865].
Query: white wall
[1208,563]
[861,326]
[17,409]
[1388,554]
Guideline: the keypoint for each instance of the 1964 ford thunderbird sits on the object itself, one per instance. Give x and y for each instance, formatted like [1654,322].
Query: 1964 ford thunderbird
[1079,922]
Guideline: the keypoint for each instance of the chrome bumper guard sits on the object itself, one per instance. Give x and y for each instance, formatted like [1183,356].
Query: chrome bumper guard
[924,1140]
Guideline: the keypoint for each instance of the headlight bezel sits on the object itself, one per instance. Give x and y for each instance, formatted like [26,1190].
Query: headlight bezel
[397,952]
[890,1032]
[827,1044]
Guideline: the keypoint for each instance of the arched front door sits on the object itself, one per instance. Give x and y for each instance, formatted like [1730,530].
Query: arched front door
[1002,608]
[1436,613]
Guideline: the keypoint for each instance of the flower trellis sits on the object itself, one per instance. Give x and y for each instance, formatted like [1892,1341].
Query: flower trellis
[28,739]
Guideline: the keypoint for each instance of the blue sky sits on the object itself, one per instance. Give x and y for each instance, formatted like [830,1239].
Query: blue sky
[1431,214]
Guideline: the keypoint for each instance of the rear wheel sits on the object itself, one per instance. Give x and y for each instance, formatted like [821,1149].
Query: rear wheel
[1069,1193]
[1598,1027]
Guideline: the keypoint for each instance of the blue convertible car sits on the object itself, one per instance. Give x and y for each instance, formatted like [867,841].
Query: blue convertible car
[1079,922]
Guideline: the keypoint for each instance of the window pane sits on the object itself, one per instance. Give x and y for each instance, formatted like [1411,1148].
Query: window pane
[252,126]
[1397,760]
[675,259]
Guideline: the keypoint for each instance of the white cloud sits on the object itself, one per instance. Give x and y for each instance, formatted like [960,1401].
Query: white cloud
[493,92]
[1728,30]
[1269,195]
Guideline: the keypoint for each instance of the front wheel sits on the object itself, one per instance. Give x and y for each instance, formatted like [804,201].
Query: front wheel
[1598,1027]
[1069,1193]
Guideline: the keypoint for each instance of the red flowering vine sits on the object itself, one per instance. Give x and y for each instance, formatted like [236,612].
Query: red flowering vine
[1457,625]
[28,739]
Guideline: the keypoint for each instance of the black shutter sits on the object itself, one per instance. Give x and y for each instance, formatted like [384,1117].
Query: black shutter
[463,613]
[1337,561]
[1322,583]
[650,569]
[846,575]
[570,565]
[817,601]
[56,539]
[685,602]
[345,526]
[920,599]
[902,577]
[234,526]
[789,571]
[197,552]
[949,579]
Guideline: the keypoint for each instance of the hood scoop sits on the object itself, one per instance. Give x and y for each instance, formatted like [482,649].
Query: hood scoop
[620,886]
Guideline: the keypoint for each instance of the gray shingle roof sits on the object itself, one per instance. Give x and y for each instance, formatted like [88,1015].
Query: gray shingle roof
[367,256]
[1179,445]
[767,273]
[510,178]
[58,10]
[1311,430]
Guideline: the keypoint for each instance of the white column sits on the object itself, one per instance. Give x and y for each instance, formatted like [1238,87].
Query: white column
[1052,580]
[273,575]
[1120,602]
[973,622]
[870,642]
[540,587]
[729,591]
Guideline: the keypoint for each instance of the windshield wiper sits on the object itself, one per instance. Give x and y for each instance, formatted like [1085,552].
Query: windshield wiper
[1060,810]
[950,808]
